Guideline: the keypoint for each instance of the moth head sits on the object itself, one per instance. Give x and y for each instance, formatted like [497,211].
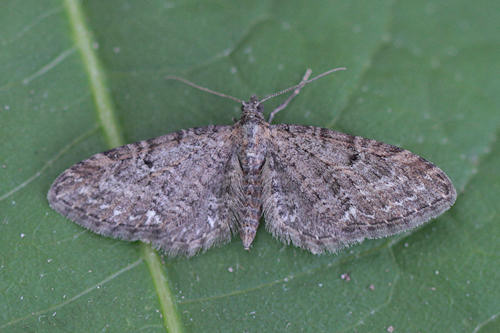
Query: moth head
[252,107]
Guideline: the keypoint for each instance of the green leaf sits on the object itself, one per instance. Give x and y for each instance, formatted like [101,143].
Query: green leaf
[422,75]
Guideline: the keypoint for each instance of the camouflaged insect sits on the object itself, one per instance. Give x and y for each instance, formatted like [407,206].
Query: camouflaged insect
[318,189]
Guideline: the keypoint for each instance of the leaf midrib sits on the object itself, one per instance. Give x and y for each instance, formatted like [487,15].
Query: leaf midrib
[105,109]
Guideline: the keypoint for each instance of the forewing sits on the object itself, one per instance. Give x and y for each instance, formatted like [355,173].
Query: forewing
[171,191]
[324,190]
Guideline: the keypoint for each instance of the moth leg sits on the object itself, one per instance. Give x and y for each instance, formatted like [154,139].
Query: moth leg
[295,93]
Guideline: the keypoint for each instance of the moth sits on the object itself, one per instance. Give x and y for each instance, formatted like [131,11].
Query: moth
[316,188]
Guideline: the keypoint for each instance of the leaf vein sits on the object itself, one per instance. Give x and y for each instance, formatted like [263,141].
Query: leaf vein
[52,64]
[49,163]
[77,296]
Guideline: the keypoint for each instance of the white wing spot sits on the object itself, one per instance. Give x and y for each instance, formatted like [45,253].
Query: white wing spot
[150,215]
[211,221]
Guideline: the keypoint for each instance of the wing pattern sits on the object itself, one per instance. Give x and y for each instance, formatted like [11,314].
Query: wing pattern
[172,191]
[323,190]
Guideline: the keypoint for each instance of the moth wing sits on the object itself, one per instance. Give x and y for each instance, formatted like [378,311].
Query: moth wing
[171,191]
[323,190]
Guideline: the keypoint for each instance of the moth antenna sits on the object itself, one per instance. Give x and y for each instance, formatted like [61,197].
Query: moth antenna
[303,83]
[210,91]
[292,96]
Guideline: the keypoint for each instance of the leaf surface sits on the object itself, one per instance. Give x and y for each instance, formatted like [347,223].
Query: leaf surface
[420,75]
